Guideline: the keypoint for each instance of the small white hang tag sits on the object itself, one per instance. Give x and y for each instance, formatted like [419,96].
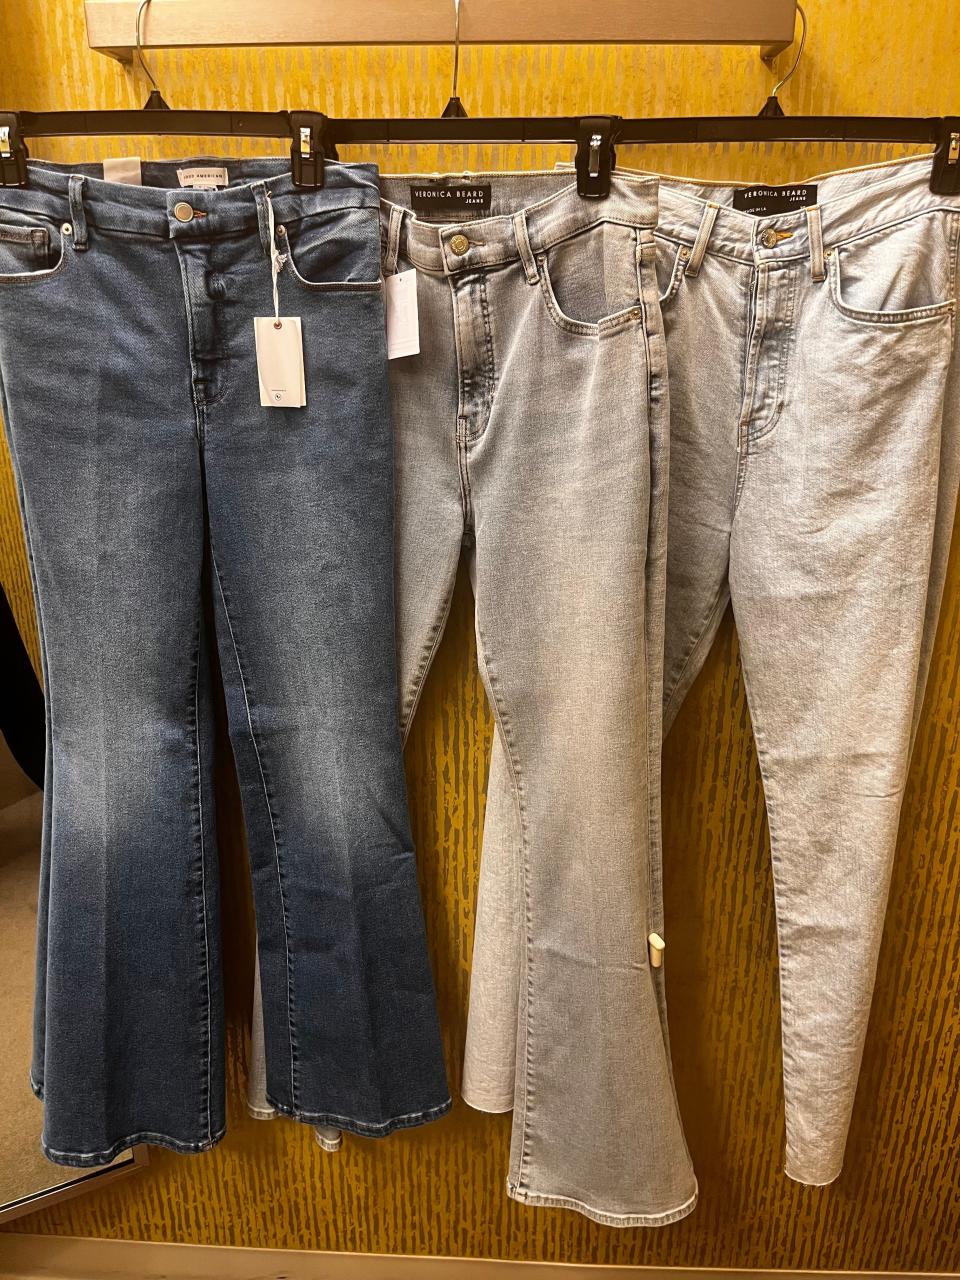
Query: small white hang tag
[280,361]
[122,169]
[403,316]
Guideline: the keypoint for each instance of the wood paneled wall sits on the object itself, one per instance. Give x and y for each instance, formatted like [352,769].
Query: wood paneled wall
[441,1189]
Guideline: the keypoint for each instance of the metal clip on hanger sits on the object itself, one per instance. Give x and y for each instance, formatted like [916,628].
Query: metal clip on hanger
[596,155]
[312,144]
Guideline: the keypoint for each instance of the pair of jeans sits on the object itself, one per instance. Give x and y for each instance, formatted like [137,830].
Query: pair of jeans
[146,465]
[532,430]
[814,464]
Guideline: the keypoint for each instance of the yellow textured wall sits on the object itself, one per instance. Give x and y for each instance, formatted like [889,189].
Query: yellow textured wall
[440,1189]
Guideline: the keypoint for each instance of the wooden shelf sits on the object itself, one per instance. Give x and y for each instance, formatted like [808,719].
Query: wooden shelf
[171,24]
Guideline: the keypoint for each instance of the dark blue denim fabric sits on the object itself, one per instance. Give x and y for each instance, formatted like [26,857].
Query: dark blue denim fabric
[130,397]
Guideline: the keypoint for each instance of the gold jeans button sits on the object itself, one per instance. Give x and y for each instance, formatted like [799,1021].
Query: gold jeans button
[459,244]
[182,211]
[769,238]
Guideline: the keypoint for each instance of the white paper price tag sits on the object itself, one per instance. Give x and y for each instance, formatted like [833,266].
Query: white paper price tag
[403,317]
[280,361]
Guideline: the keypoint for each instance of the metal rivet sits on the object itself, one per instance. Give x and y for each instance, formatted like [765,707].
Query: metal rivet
[684,253]
[281,230]
[66,228]
[278,324]
[769,238]
[637,313]
[182,211]
[459,244]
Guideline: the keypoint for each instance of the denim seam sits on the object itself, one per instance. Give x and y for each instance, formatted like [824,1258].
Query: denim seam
[676,688]
[490,373]
[776,862]
[512,757]
[273,829]
[363,1128]
[208,1035]
[83,1159]
[47,805]
[751,371]
[785,349]
[428,654]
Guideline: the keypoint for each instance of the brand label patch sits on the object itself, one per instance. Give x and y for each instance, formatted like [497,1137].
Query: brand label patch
[203,177]
[766,200]
[449,199]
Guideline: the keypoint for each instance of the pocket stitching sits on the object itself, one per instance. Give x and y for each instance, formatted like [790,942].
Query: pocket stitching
[27,278]
[903,318]
[580,328]
[326,286]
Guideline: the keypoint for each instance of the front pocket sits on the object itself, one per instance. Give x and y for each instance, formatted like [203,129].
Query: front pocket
[589,281]
[900,275]
[29,251]
[339,249]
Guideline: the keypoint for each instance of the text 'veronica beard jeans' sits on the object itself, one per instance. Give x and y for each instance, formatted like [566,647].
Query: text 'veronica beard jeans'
[130,396]
[814,463]
[532,429]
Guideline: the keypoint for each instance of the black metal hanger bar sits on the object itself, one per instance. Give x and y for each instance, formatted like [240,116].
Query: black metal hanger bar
[316,136]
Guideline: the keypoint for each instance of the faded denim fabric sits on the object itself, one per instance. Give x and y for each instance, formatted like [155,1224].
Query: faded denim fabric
[531,431]
[814,462]
[130,397]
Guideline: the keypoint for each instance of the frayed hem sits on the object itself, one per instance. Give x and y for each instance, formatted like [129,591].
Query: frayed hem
[362,1128]
[664,1219]
[89,1159]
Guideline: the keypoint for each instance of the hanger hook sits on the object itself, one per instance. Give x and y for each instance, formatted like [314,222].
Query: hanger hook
[774,92]
[140,58]
[454,109]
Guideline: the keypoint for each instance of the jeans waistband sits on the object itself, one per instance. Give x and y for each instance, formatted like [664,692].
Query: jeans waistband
[850,203]
[149,209]
[523,226]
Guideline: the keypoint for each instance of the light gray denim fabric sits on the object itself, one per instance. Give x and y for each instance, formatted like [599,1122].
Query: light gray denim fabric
[532,430]
[813,481]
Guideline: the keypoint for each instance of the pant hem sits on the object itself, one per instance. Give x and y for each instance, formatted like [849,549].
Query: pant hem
[597,1215]
[363,1128]
[87,1159]
[807,1180]
[261,1113]
[489,1106]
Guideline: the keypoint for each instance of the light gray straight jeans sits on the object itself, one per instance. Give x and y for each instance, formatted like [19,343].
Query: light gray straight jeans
[532,431]
[815,392]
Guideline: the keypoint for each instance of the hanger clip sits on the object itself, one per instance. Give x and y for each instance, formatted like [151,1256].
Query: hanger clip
[13,152]
[596,155]
[945,176]
[312,144]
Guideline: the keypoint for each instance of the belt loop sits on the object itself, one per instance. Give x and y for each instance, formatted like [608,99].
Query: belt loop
[78,217]
[703,239]
[392,252]
[263,217]
[523,247]
[815,234]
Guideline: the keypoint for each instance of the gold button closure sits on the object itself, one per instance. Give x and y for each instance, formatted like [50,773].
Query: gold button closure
[459,244]
[182,211]
[769,238]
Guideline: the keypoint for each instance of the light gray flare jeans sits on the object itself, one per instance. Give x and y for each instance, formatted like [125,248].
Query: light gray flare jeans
[815,410]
